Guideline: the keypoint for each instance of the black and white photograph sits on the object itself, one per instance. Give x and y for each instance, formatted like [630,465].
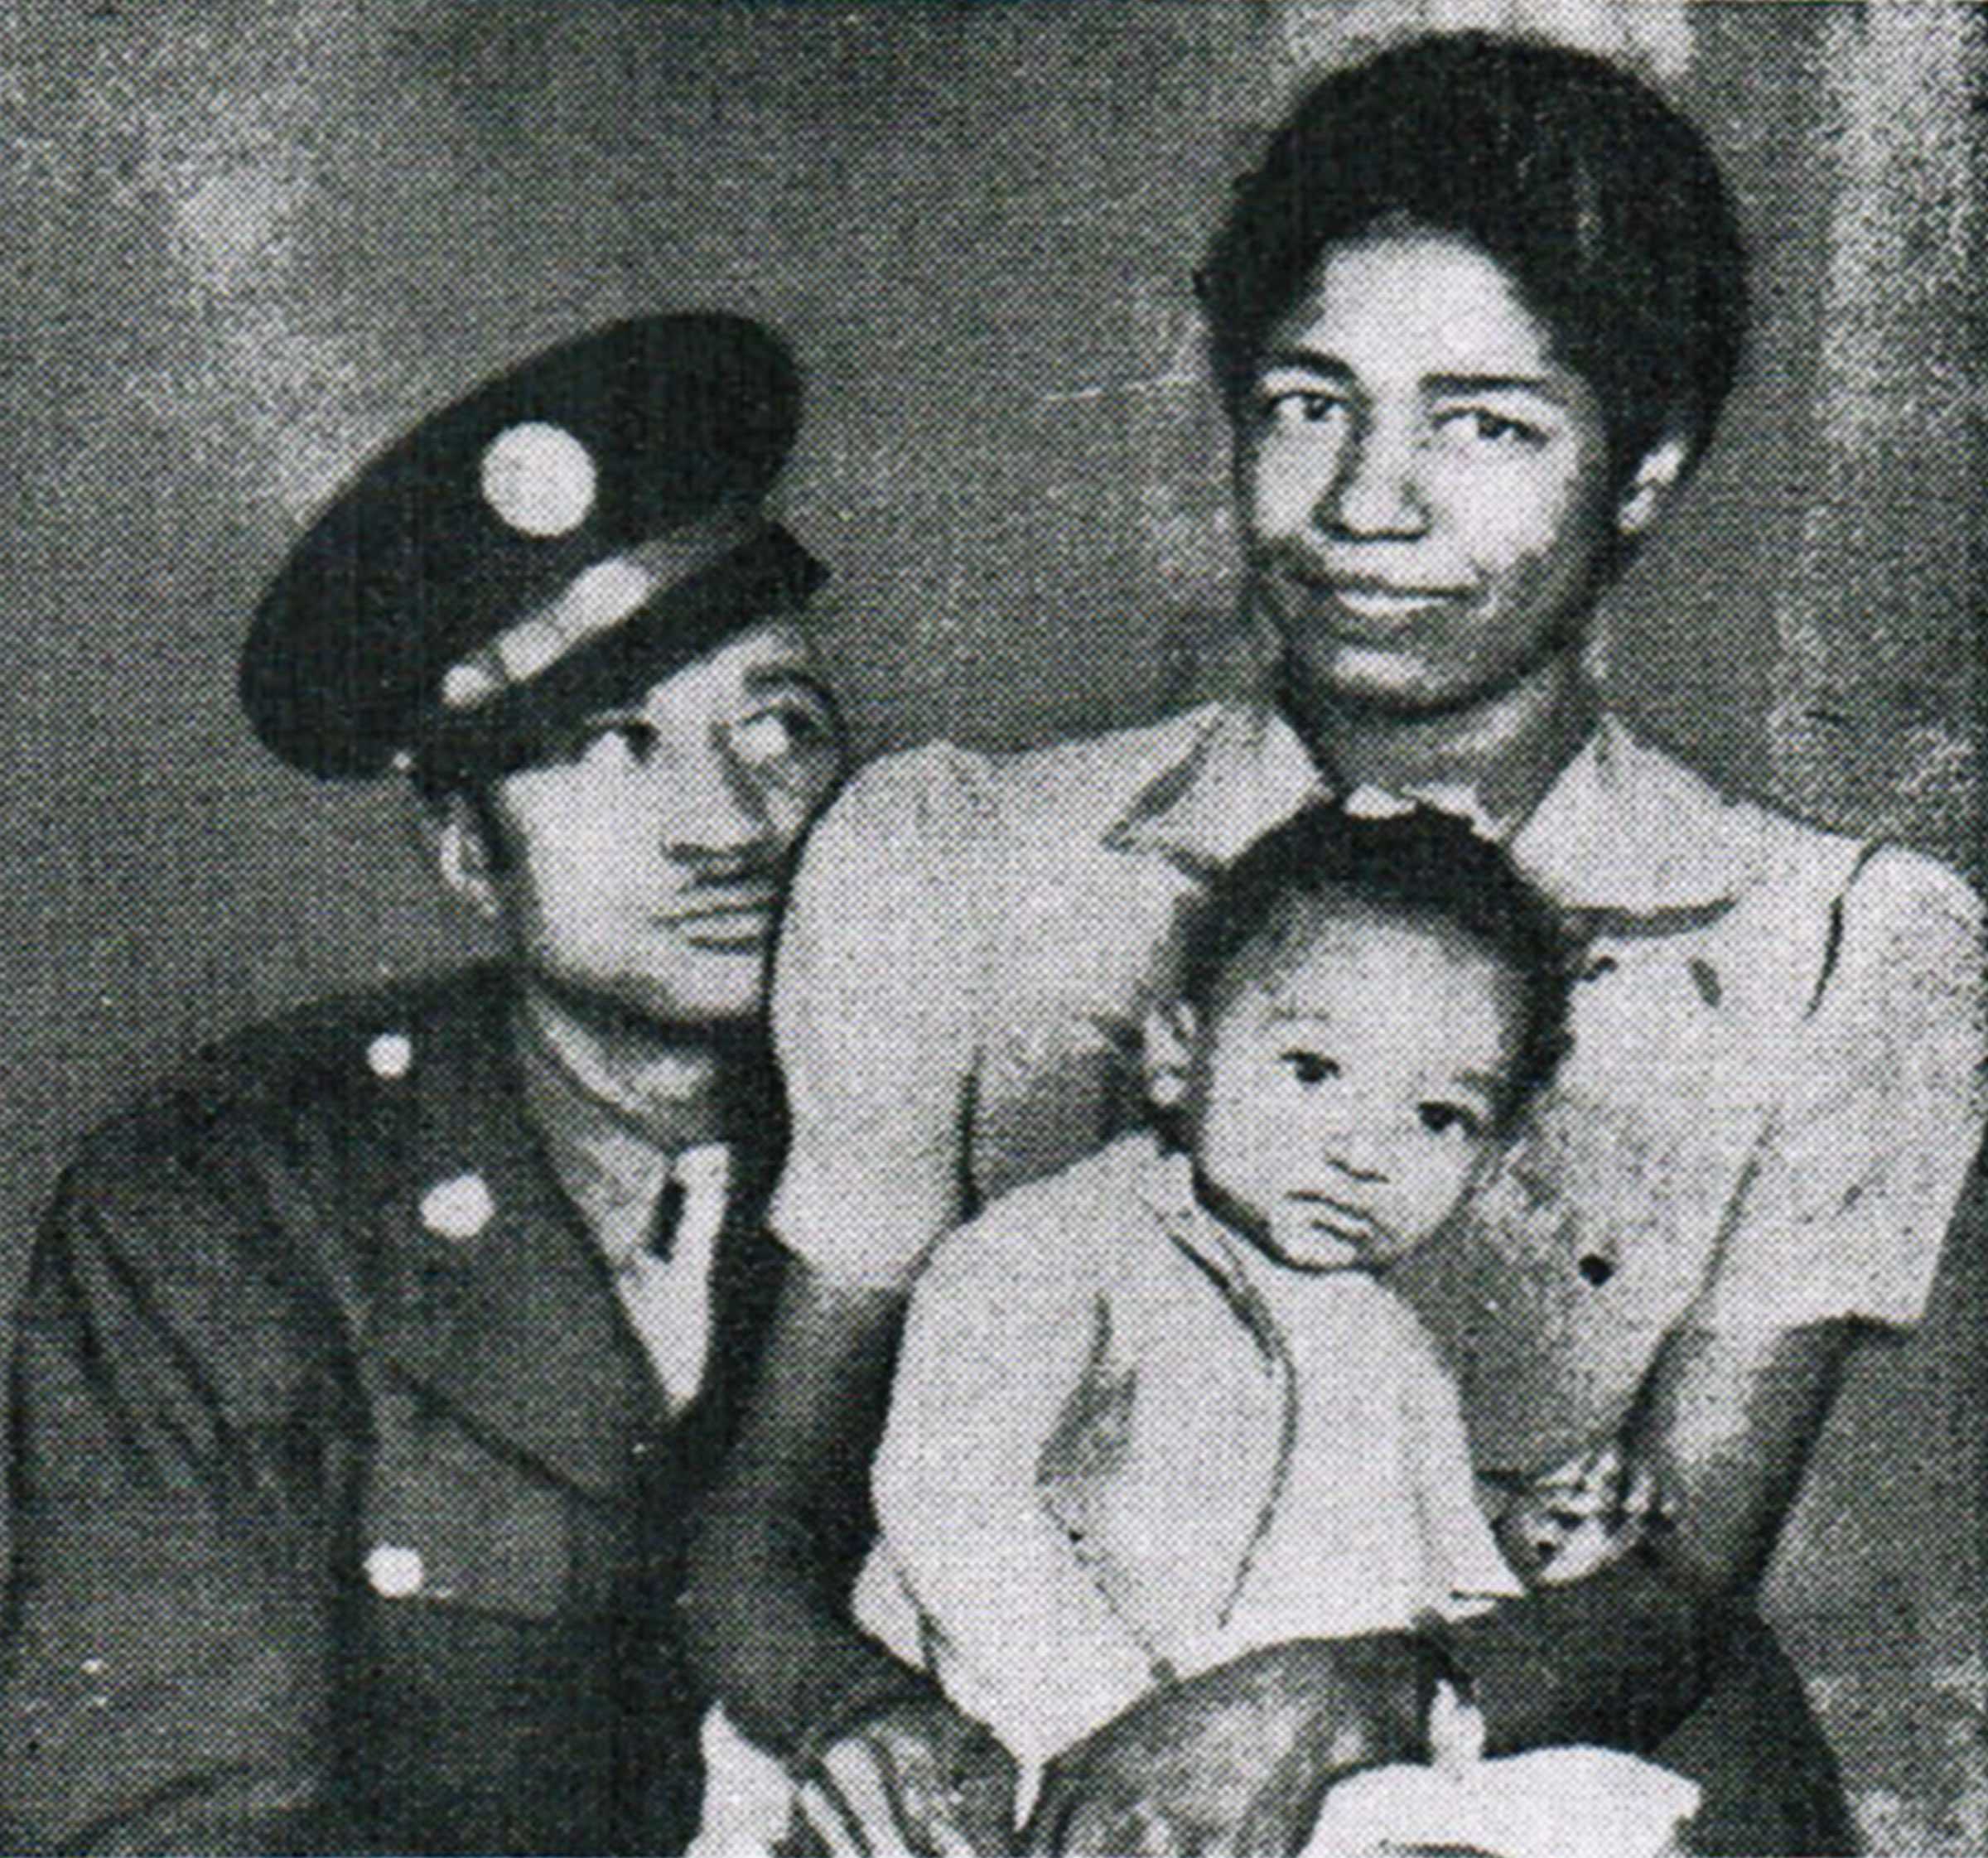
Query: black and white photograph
[952,928]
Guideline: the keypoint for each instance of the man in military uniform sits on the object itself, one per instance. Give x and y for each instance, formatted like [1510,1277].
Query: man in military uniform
[368,1366]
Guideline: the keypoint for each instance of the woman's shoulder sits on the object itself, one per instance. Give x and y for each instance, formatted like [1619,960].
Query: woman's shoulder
[1754,846]
[943,794]
[1099,776]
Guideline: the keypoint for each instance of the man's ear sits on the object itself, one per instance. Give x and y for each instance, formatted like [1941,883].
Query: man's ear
[459,845]
[1170,1050]
[1650,487]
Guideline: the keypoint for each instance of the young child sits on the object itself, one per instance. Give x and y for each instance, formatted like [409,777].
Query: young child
[1159,1409]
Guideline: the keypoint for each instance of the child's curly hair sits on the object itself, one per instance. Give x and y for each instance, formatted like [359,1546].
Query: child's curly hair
[1426,866]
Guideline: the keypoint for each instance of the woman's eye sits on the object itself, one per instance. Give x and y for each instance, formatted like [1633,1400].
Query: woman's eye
[1484,427]
[1297,407]
[1441,1119]
[1310,1066]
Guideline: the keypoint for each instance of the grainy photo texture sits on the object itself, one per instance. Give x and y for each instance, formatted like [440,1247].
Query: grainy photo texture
[1018,927]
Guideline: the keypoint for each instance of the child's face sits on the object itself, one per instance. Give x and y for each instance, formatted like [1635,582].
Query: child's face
[1343,1096]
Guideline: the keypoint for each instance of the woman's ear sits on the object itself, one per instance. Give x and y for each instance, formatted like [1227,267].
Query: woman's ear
[1170,1050]
[460,846]
[1651,486]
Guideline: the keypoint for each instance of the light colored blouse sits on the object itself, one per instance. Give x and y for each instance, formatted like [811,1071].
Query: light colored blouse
[1773,1095]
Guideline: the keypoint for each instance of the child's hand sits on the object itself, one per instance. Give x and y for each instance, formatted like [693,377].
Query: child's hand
[917,1776]
[1579,1518]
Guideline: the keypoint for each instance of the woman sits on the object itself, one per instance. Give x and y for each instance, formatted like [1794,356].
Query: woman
[1474,320]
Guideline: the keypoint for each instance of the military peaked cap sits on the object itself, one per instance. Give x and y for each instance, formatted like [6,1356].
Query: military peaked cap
[568,532]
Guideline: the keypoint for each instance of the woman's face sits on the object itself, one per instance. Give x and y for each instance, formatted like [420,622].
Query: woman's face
[1423,486]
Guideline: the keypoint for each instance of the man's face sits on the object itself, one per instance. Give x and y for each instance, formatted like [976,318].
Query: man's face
[646,866]
[1342,1097]
[1423,486]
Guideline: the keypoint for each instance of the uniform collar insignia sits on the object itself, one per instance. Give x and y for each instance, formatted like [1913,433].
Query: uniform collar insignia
[458,1314]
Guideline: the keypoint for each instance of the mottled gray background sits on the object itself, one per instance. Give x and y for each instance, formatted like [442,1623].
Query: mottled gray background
[245,240]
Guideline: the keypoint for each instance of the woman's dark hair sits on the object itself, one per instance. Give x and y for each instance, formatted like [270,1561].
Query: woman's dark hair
[1428,867]
[1603,204]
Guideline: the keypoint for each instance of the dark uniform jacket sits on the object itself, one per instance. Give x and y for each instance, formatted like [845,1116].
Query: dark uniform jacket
[338,1526]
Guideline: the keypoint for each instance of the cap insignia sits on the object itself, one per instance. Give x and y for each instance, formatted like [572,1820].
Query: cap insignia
[539,479]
